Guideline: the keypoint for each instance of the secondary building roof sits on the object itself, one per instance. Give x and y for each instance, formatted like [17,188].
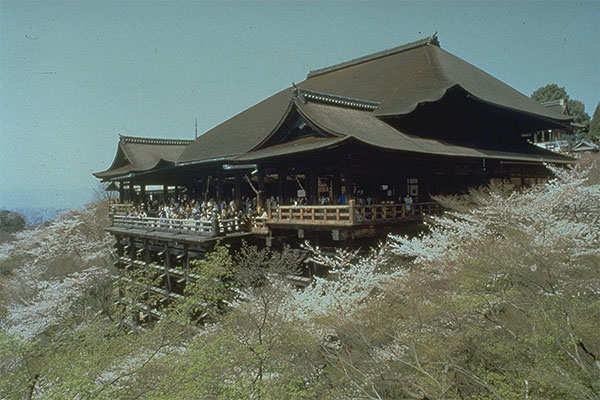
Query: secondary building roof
[137,154]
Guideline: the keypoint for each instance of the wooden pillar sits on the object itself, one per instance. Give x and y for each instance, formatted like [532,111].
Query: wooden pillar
[121,193]
[260,201]
[238,191]
[219,194]
[215,223]
[336,183]
[167,265]
[312,186]
[348,184]
[131,192]
[281,176]
[147,271]
[143,193]
[186,265]
[351,204]
[165,194]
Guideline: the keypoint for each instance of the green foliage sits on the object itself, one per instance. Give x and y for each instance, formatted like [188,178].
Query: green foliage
[577,110]
[16,378]
[552,92]
[502,316]
[255,267]
[211,289]
[549,92]
[11,222]
[509,311]
[594,130]
[100,361]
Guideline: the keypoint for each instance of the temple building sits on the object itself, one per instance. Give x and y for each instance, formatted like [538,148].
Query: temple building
[413,119]
[356,150]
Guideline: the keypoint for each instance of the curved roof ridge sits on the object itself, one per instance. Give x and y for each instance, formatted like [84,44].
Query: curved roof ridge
[160,141]
[334,99]
[431,40]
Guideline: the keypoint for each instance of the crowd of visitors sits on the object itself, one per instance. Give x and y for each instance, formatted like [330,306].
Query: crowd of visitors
[247,208]
[185,208]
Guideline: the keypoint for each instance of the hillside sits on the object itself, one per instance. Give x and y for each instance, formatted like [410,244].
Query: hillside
[500,299]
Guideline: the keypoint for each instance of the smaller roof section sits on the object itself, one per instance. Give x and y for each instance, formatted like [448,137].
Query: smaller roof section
[558,106]
[138,154]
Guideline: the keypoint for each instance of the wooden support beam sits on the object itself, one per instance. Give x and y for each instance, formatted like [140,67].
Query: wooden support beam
[336,183]
[220,195]
[281,177]
[238,191]
[167,267]
[348,183]
[312,186]
[131,192]
[186,264]
[121,193]
[260,201]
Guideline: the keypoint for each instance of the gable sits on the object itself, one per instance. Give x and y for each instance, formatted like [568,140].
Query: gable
[293,128]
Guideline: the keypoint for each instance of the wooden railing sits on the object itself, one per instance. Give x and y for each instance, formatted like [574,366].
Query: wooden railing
[182,226]
[386,212]
[342,215]
[351,214]
[259,225]
[121,208]
[326,215]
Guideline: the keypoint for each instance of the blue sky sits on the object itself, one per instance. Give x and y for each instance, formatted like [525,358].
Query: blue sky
[75,75]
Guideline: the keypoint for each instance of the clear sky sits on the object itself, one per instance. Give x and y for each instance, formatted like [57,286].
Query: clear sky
[75,75]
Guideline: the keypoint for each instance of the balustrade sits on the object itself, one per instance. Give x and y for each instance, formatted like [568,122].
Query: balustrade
[327,215]
[181,226]
[342,215]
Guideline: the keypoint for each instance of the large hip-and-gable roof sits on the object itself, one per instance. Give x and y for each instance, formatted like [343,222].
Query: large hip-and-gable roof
[347,124]
[396,80]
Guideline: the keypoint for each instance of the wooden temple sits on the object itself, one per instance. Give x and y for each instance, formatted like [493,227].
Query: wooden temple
[333,157]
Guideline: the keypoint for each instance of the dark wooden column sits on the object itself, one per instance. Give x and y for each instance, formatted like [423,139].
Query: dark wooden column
[336,183]
[143,193]
[131,192]
[220,194]
[121,192]
[281,176]
[312,186]
[260,201]
[167,267]
[348,181]
[165,194]
[238,191]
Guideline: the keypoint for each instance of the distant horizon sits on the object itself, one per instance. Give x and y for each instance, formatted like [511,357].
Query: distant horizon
[39,198]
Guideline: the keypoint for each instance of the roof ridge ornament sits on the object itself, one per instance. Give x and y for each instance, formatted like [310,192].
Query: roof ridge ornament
[431,40]
[159,141]
[306,95]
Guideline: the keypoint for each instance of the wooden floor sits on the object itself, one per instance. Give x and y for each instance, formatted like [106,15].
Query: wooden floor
[175,237]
